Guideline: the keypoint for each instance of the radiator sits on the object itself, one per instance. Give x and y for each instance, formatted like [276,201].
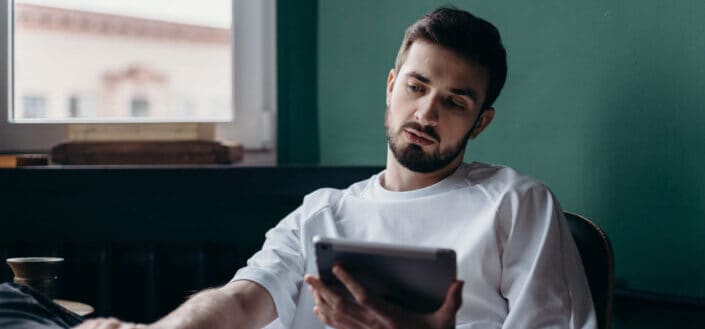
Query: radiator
[134,281]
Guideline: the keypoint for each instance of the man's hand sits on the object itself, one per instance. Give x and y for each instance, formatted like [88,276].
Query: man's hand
[110,323]
[371,312]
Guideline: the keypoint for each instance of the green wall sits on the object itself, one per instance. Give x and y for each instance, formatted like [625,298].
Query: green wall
[603,103]
[297,127]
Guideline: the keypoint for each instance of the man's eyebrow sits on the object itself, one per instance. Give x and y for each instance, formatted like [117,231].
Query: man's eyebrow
[419,76]
[457,91]
[465,92]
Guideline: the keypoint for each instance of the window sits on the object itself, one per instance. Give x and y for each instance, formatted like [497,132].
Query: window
[74,107]
[139,107]
[119,47]
[170,99]
[81,107]
[33,107]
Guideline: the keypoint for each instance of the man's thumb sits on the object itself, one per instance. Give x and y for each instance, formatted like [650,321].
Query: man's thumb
[454,297]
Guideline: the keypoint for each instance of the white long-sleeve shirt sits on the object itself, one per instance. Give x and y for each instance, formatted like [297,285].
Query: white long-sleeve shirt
[514,249]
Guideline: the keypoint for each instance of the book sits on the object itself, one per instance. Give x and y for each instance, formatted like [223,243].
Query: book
[21,160]
[146,153]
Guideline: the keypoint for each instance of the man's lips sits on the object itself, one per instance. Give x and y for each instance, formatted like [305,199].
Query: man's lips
[418,137]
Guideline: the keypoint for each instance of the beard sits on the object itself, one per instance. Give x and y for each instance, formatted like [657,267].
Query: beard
[413,156]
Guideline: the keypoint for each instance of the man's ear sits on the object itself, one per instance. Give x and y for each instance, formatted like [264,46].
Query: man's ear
[482,122]
[390,85]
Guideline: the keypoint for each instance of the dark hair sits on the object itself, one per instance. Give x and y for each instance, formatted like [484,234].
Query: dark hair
[469,36]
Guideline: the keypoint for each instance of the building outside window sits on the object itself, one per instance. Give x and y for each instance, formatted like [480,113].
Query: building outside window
[74,107]
[34,107]
[119,48]
[183,106]
[139,107]
[81,106]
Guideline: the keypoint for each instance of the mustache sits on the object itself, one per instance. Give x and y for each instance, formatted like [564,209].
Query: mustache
[428,130]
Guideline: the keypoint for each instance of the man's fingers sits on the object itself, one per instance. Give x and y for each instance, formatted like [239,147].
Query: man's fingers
[377,310]
[324,317]
[335,310]
[130,325]
[325,295]
[88,324]
[110,323]
[454,298]
[356,289]
[354,317]
[444,317]
[317,297]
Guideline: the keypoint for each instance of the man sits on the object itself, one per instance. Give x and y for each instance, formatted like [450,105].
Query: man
[517,263]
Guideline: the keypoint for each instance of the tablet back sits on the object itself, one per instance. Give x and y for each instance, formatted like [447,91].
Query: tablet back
[416,279]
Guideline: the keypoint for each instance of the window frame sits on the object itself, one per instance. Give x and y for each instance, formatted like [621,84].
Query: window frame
[253,58]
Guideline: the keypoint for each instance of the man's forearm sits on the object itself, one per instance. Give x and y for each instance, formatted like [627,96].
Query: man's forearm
[241,304]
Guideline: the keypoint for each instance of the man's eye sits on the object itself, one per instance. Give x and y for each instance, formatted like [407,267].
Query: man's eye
[415,88]
[455,104]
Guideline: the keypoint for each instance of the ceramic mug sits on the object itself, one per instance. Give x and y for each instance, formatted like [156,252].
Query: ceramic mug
[39,273]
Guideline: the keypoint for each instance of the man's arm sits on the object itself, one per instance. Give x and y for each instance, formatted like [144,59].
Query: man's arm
[542,275]
[239,304]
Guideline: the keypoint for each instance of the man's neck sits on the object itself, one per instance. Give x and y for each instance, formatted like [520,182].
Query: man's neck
[399,178]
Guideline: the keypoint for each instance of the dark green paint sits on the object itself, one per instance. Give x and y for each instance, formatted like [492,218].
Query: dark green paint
[297,133]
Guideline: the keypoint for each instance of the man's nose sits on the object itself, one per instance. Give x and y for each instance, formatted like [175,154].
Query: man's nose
[427,111]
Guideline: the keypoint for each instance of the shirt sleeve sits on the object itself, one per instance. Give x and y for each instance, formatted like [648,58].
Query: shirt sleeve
[542,279]
[279,265]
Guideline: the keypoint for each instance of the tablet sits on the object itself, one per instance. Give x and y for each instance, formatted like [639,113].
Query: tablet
[414,278]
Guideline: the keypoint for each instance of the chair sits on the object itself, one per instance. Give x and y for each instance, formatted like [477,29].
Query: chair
[598,260]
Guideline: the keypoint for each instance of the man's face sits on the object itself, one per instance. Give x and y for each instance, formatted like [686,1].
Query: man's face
[433,103]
